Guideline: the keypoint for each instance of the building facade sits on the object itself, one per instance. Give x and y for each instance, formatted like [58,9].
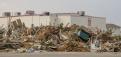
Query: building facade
[58,18]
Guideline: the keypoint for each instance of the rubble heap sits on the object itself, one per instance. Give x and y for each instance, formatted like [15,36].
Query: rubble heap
[109,43]
[20,38]
[74,38]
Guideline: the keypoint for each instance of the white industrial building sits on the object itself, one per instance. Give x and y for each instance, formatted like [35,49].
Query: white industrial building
[114,28]
[47,18]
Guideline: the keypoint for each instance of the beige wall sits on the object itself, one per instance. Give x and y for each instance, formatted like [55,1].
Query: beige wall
[99,23]
[3,22]
[96,22]
[80,20]
[37,20]
[66,19]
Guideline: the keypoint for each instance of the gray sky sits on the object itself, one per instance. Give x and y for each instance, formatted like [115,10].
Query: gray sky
[110,9]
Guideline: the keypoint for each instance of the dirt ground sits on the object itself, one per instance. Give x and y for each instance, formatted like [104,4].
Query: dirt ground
[60,54]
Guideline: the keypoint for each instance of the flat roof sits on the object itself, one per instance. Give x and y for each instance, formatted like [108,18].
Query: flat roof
[23,15]
[57,14]
[75,14]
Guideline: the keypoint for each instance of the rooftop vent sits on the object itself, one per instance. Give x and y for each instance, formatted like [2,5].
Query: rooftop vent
[81,13]
[18,14]
[7,14]
[30,12]
[46,13]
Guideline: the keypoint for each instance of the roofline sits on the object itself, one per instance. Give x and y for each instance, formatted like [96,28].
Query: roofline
[78,15]
[114,24]
[55,13]
[22,15]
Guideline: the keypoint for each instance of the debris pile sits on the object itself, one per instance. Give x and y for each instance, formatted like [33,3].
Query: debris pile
[2,39]
[20,38]
[109,43]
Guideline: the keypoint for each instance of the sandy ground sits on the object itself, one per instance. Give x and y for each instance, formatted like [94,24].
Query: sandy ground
[60,54]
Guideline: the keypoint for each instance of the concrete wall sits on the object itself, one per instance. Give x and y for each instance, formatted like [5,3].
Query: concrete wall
[80,20]
[66,20]
[96,22]
[55,20]
[3,22]
[37,20]
[99,22]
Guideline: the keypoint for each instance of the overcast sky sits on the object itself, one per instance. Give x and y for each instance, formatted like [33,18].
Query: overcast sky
[111,9]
